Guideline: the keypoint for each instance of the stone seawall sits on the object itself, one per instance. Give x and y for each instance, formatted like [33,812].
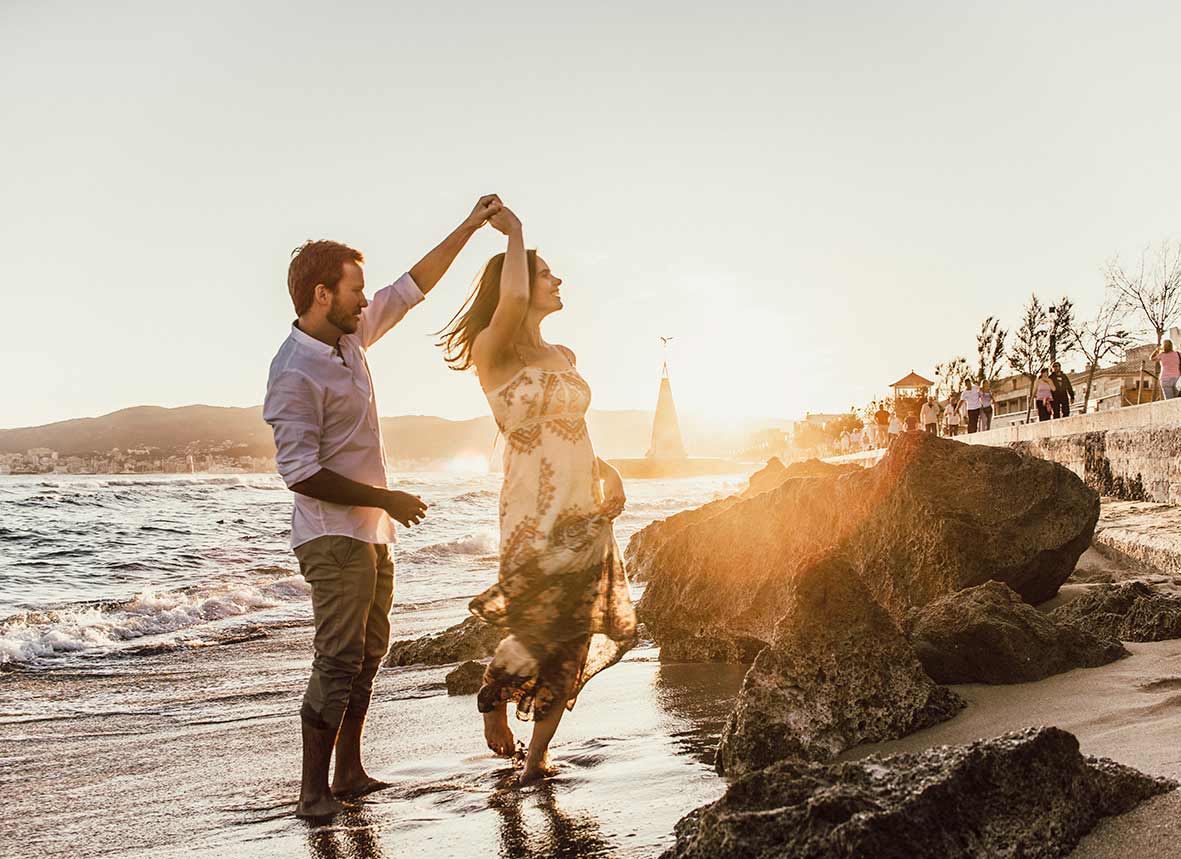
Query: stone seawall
[1132,453]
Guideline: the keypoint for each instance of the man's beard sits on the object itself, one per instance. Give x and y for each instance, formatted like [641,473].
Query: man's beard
[346,322]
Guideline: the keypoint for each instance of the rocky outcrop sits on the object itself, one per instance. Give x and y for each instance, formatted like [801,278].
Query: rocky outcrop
[1129,611]
[465,679]
[934,516]
[1028,794]
[838,673]
[472,639]
[644,543]
[986,634]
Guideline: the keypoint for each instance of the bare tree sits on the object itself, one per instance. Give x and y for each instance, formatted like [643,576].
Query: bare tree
[951,377]
[1031,346]
[1062,339]
[1151,288]
[990,350]
[1102,336]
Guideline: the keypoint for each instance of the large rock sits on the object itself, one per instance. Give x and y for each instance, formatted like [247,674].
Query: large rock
[465,679]
[986,634]
[934,516]
[1026,794]
[472,639]
[1129,611]
[839,673]
[643,545]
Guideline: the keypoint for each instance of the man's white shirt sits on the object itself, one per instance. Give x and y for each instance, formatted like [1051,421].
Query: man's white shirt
[321,405]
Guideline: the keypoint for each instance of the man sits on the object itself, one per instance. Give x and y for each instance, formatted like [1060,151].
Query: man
[1063,391]
[971,407]
[881,423]
[929,416]
[321,405]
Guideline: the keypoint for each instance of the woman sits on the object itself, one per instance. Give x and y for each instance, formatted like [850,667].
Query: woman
[561,592]
[1170,368]
[1044,394]
[985,407]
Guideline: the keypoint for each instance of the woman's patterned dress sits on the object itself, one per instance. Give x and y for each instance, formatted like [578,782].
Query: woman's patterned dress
[561,592]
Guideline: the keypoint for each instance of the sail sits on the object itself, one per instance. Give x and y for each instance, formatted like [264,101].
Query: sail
[666,430]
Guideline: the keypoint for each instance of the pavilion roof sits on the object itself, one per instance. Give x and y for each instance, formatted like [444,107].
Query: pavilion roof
[914,380]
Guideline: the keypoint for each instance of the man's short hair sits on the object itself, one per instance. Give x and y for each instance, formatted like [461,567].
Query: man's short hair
[313,263]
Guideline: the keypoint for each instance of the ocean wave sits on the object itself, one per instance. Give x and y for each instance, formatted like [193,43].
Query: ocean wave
[483,542]
[477,496]
[107,626]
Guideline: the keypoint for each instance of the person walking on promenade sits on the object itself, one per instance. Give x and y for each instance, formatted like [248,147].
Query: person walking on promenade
[881,423]
[952,416]
[1170,368]
[561,594]
[320,403]
[1063,391]
[985,407]
[1044,395]
[971,403]
[894,428]
[929,416]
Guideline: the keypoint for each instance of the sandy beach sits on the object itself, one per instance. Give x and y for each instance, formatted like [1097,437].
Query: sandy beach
[187,748]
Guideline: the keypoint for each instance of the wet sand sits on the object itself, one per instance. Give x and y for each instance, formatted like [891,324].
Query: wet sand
[195,752]
[198,755]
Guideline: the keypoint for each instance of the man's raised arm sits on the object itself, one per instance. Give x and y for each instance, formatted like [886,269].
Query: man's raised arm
[430,269]
[391,303]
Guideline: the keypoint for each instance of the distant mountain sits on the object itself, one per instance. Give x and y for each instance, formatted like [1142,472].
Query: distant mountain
[417,437]
[616,433]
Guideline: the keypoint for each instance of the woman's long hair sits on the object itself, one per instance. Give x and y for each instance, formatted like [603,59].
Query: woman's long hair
[475,314]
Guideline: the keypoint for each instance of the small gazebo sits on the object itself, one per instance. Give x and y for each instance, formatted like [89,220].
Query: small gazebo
[912,385]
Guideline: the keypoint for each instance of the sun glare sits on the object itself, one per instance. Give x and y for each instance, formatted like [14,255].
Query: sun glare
[468,463]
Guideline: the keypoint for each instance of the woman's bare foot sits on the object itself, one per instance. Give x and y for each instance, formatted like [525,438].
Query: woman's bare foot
[497,733]
[537,771]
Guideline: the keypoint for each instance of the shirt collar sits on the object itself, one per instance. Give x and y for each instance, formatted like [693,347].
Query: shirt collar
[311,342]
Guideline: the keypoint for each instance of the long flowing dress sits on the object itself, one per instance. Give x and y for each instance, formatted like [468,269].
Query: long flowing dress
[561,591]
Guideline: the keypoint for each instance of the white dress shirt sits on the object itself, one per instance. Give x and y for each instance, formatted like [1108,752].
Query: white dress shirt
[321,406]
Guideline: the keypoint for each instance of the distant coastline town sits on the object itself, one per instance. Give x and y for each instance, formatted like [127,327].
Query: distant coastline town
[218,459]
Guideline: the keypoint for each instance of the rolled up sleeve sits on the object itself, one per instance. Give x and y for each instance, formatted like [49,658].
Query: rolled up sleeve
[387,308]
[294,410]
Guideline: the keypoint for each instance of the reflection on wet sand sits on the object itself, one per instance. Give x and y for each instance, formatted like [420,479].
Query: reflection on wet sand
[352,835]
[560,835]
[700,696]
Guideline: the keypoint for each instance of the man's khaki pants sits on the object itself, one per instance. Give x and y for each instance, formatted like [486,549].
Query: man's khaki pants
[352,591]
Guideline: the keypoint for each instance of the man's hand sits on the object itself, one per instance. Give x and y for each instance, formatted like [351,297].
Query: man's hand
[486,207]
[405,508]
[505,221]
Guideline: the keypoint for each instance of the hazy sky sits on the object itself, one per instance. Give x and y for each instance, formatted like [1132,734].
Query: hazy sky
[814,198]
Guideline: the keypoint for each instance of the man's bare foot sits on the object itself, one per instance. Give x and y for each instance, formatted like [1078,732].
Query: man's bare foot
[320,806]
[497,733]
[355,787]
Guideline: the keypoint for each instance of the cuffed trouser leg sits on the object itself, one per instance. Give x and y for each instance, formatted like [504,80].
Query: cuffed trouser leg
[343,574]
[377,631]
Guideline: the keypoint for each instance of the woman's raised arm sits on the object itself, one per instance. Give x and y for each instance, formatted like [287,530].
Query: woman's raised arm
[510,311]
